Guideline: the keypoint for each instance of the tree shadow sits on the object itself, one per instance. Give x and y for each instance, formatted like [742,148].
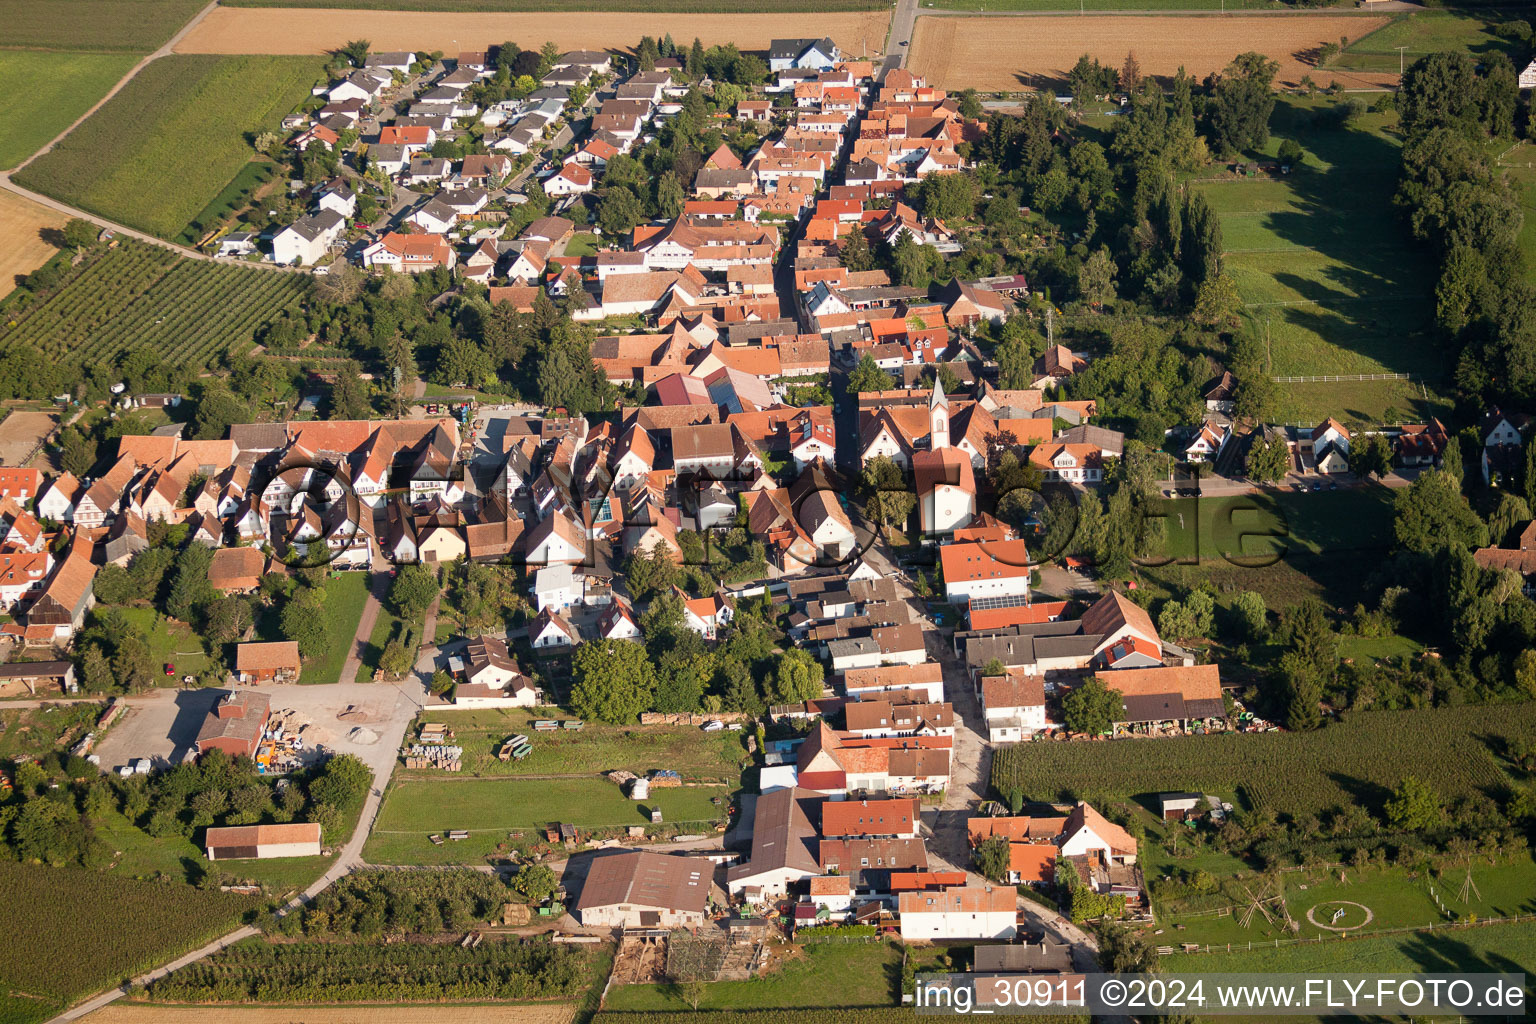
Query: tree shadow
[53,236]
[1370,795]
[1369,299]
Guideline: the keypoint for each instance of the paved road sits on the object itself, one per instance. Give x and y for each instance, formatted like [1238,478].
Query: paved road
[121,229]
[381,758]
[898,42]
[164,51]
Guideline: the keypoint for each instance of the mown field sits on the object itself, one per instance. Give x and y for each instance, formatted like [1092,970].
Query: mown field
[129,26]
[139,294]
[489,808]
[1425,32]
[345,595]
[1396,897]
[1260,527]
[165,146]
[1495,948]
[24,246]
[1358,760]
[86,930]
[45,92]
[697,755]
[1325,269]
[830,975]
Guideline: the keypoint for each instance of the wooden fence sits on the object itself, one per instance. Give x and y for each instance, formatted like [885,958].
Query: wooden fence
[1243,947]
[1341,378]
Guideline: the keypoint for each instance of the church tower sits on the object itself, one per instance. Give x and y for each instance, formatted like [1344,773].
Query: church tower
[938,418]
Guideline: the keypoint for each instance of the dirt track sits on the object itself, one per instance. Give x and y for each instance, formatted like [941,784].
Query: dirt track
[1010,54]
[309,30]
[532,1013]
[22,249]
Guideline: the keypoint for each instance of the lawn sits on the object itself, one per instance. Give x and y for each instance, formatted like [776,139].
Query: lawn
[1356,760]
[35,731]
[46,92]
[345,595]
[1326,541]
[388,626]
[1427,32]
[88,930]
[1261,527]
[1324,266]
[1493,949]
[169,143]
[582,244]
[697,755]
[170,643]
[825,975]
[230,201]
[489,808]
[144,856]
[1397,898]
[128,26]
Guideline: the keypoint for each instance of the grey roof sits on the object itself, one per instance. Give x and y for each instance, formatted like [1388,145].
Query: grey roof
[438,209]
[644,879]
[387,154]
[374,60]
[439,95]
[550,92]
[783,835]
[1112,442]
[1045,958]
[789,49]
[314,225]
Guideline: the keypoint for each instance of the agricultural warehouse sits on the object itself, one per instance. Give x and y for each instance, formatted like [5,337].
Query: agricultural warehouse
[274,662]
[644,890]
[235,724]
[248,842]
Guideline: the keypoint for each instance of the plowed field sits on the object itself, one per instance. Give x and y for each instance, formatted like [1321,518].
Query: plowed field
[1013,53]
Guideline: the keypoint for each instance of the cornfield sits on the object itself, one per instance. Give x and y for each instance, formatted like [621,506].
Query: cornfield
[1357,760]
[189,311]
[88,930]
[318,972]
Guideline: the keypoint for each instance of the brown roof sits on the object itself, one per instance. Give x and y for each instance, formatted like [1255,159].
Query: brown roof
[647,880]
[277,654]
[830,885]
[1113,611]
[851,854]
[984,560]
[1015,829]
[868,817]
[252,708]
[880,714]
[976,899]
[782,834]
[235,568]
[1192,682]
[262,835]
[887,676]
[1014,690]
[1083,816]
[704,441]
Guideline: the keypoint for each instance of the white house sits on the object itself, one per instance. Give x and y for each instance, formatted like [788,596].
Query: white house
[490,677]
[307,239]
[571,180]
[555,587]
[551,629]
[818,54]
[1089,833]
[1014,706]
[706,615]
[556,539]
[1210,441]
[969,912]
[58,498]
[985,569]
[1068,462]
[833,893]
